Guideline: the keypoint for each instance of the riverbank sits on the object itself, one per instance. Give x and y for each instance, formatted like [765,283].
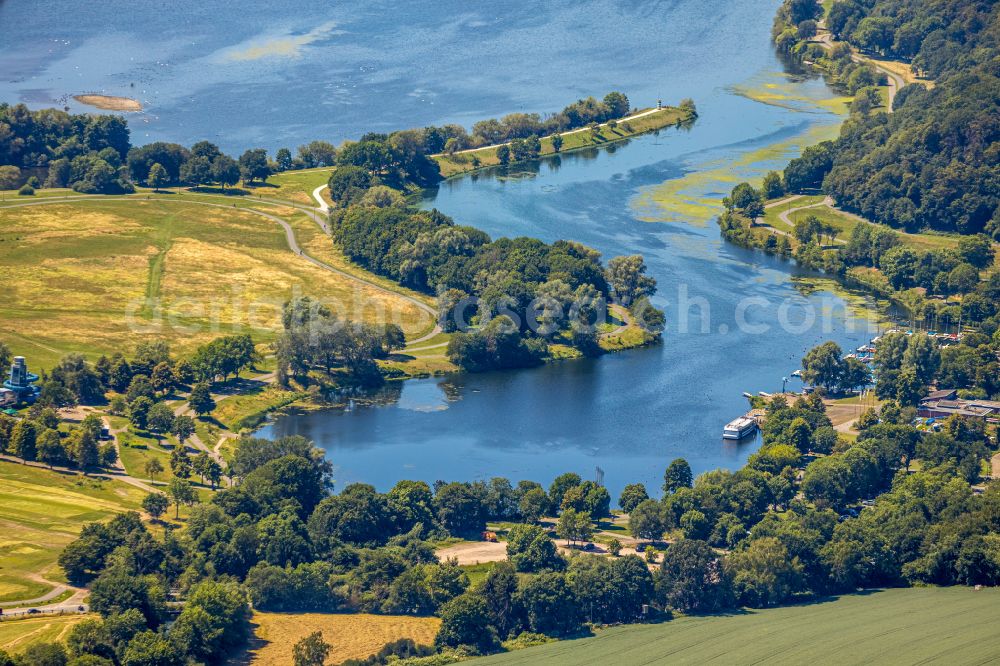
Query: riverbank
[251,411]
[647,120]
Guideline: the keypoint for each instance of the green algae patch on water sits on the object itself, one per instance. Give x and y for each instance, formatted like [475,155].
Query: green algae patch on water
[780,90]
[856,304]
[696,196]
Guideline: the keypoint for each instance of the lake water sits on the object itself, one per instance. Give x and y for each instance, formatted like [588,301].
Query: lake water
[285,73]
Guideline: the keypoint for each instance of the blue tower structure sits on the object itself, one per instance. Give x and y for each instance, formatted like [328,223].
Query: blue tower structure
[21,381]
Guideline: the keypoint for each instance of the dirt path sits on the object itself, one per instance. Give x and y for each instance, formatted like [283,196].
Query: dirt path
[318,196]
[111,476]
[784,201]
[184,409]
[58,589]
[995,466]
[474,552]
[624,315]
[784,216]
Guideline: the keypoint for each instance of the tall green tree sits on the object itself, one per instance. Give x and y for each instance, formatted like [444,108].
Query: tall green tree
[647,520]
[155,504]
[465,621]
[677,475]
[158,177]
[574,526]
[632,495]
[181,492]
[627,277]
[201,400]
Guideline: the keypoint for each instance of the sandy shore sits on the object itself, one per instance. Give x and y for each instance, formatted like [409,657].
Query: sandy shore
[109,103]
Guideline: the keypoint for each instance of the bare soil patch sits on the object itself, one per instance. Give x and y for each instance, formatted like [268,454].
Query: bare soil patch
[474,552]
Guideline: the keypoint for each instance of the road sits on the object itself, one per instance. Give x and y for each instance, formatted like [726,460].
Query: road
[785,216]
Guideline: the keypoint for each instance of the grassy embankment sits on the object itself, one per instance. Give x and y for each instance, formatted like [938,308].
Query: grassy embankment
[41,512]
[844,223]
[470,160]
[294,186]
[81,275]
[905,626]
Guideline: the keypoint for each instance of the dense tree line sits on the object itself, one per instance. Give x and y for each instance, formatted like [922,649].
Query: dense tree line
[933,162]
[581,113]
[85,151]
[906,366]
[39,437]
[92,153]
[519,294]
[135,389]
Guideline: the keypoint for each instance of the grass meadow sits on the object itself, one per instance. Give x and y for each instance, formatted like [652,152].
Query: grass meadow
[42,511]
[98,275]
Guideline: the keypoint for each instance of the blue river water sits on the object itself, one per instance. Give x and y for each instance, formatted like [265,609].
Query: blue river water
[284,73]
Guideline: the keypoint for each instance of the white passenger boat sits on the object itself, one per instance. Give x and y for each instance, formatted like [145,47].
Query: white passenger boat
[739,428]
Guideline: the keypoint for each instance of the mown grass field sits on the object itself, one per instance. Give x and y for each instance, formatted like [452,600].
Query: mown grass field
[41,512]
[909,626]
[136,450]
[452,165]
[17,635]
[354,636]
[98,275]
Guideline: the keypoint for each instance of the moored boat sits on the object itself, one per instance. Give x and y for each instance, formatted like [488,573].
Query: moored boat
[739,428]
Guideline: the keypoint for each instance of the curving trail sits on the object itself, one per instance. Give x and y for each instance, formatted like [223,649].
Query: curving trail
[896,82]
[75,603]
[784,216]
[318,196]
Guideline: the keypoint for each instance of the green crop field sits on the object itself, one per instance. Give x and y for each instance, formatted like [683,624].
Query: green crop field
[907,626]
